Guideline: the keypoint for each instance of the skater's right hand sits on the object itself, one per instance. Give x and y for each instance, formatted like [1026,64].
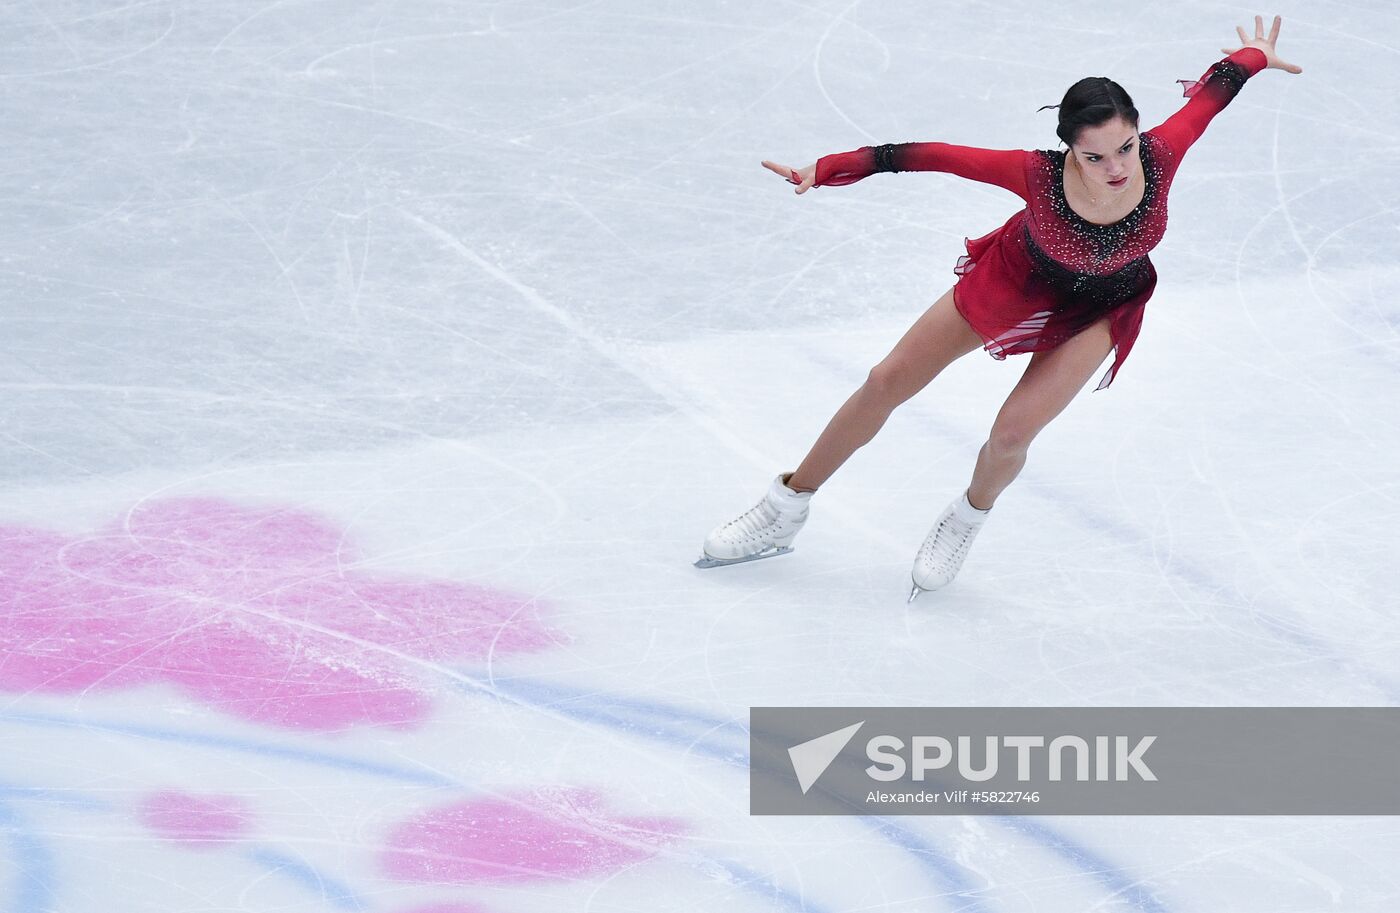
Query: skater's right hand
[804,178]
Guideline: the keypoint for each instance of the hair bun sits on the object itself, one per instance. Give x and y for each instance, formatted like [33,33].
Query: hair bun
[1092,101]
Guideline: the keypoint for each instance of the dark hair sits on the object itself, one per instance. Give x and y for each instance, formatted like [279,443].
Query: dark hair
[1092,101]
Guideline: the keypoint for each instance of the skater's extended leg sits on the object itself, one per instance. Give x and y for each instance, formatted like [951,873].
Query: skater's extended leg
[1050,381]
[938,338]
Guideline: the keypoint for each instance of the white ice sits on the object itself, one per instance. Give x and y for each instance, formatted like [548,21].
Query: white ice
[500,290]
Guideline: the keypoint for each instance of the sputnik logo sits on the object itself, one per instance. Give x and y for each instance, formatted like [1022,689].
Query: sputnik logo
[811,758]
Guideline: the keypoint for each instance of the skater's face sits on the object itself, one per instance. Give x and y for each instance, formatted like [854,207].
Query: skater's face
[1107,156]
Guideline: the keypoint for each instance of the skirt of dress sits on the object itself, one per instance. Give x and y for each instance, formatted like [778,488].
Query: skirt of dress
[1020,302]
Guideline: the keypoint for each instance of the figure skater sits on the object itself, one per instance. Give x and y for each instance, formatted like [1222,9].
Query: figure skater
[1066,278]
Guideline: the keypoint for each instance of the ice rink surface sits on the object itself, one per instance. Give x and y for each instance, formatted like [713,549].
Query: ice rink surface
[372,372]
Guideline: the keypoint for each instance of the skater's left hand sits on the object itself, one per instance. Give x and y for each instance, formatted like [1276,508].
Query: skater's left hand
[1264,44]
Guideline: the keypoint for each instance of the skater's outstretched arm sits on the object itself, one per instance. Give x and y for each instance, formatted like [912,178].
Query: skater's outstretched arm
[1214,90]
[1002,167]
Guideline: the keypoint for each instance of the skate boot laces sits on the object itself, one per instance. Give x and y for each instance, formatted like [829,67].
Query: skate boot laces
[948,544]
[751,524]
[941,555]
[760,522]
[762,531]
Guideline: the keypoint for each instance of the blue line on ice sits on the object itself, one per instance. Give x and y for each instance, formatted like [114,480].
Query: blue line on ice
[249,746]
[282,864]
[694,732]
[672,725]
[34,876]
[336,893]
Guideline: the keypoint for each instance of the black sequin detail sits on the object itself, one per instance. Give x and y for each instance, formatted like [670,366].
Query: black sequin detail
[1100,292]
[1228,76]
[884,157]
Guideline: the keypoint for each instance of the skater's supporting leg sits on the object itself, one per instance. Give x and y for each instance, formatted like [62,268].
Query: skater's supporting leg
[1050,381]
[938,338]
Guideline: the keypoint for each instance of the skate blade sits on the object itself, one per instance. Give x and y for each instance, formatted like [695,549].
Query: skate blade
[917,589]
[706,561]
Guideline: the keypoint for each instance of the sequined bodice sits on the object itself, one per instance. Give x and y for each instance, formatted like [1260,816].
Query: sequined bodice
[1077,244]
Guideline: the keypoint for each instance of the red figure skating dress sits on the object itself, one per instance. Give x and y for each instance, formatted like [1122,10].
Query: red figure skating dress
[1048,273]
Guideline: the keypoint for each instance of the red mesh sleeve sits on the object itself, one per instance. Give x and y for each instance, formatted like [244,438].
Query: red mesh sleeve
[1208,97]
[1004,168]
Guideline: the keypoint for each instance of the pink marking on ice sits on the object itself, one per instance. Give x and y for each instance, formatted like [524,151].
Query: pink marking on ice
[260,613]
[561,833]
[195,821]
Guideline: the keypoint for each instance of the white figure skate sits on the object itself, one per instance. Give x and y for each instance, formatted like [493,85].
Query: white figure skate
[765,530]
[946,546]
